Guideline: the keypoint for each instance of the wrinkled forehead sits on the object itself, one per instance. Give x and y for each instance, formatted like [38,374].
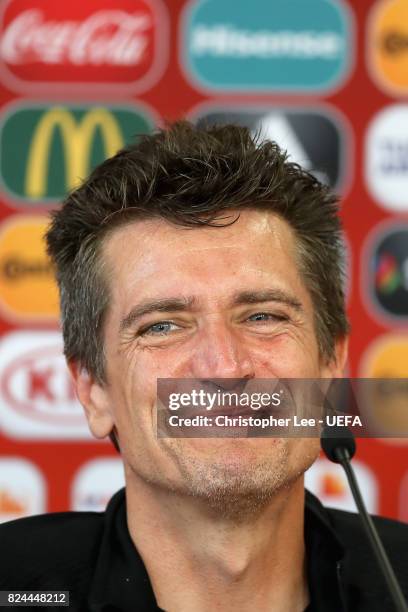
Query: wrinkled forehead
[155,259]
[136,244]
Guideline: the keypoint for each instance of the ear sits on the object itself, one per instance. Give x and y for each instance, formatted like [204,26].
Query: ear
[94,398]
[335,367]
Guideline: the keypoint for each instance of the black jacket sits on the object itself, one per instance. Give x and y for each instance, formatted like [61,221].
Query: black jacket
[91,555]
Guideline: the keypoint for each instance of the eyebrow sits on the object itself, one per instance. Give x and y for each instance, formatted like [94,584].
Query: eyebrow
[181,304]
[149,306]
[267,295]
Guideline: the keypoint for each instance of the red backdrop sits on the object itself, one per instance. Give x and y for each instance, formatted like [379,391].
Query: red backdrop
[141,62]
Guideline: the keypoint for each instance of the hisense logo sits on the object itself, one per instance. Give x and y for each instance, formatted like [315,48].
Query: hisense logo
[267,45]
[227,41]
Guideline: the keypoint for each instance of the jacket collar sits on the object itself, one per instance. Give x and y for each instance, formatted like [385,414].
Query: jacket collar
[324,553]
[121,582]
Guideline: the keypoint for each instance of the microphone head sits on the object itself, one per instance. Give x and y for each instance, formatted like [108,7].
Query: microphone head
[337,440]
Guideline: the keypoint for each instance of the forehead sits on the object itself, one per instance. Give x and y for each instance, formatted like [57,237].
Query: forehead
[156,256]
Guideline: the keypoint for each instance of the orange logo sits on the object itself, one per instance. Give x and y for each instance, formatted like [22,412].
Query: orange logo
[388,44]
[332,484]
[11,505]
[387,358]
[27,287]
[22,489]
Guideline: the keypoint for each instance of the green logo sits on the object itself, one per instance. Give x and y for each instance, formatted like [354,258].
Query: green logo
[45,150]
[267,45]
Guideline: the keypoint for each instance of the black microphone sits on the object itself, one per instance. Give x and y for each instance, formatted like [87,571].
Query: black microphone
[339,446]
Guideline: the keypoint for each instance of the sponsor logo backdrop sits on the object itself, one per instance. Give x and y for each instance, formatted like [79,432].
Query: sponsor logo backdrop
[327,79]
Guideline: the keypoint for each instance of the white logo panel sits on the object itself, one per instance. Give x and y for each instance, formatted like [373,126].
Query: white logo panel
[22,489]
[37,398]
[387,158]
[95,483]
[328,482]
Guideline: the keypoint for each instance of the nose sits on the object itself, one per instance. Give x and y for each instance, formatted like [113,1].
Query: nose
[221,353]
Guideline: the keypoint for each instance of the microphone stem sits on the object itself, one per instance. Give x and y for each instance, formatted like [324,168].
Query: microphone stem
[377,546]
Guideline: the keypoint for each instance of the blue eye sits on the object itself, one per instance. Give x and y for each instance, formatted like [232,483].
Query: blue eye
[259,316]
[267,316]
[159,329]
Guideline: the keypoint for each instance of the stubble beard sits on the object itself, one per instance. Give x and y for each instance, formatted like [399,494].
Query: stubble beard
[236,491]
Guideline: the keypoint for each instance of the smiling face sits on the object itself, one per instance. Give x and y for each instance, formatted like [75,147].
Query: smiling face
[203,303]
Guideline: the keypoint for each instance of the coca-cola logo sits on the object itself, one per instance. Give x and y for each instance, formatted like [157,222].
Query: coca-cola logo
[85,44]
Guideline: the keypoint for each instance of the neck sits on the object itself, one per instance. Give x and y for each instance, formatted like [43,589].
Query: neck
[207,562]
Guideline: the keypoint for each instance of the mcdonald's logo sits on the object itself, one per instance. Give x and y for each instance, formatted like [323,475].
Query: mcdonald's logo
[46,150]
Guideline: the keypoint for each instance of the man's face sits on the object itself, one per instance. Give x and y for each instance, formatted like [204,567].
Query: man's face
[204,303]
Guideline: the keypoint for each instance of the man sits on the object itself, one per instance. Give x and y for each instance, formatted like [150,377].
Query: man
[199,253]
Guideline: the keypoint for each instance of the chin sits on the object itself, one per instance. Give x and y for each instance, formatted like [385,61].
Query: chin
[238,453]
